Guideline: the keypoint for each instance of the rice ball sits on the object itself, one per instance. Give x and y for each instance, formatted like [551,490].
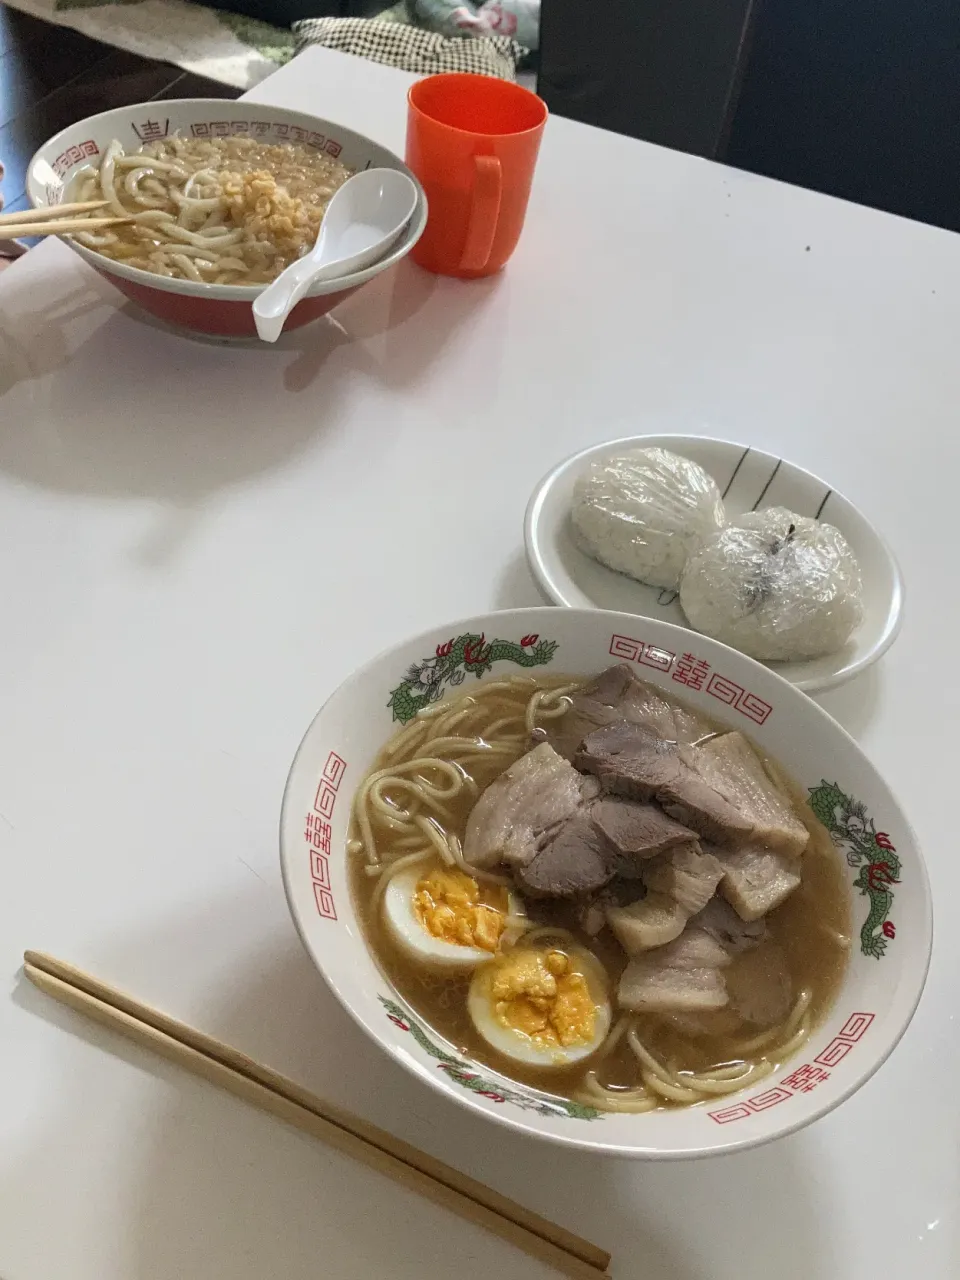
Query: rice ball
[643,512]
[774,585]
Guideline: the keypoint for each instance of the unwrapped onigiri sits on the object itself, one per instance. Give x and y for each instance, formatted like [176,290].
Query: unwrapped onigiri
[644,511]
[774,585]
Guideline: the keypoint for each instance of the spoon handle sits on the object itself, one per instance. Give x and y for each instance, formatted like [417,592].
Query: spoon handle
[280,297]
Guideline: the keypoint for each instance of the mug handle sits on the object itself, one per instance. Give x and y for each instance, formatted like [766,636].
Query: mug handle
[484,213]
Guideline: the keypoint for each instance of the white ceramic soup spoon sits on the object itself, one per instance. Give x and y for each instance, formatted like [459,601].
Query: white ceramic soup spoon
[363,219]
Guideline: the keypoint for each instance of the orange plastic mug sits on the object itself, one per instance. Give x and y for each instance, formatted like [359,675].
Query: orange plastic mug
[473,142]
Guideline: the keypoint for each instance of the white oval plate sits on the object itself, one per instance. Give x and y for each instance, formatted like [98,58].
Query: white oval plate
[748,479]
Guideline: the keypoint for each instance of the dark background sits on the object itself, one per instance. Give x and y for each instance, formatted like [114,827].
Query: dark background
[857,98]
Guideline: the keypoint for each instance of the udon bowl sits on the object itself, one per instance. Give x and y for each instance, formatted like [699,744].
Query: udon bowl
[224,309]
[884,869]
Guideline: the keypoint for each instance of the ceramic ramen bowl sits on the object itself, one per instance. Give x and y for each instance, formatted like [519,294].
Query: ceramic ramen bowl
[209,308]
[884,870]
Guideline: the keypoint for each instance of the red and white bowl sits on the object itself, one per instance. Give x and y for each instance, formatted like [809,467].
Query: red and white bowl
[885,873]
[223,309]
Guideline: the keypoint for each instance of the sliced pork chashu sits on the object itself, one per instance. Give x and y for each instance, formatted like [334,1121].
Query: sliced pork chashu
[685,976]
[719,789]
[707,991]
[679,884]
[723,924]
[713,1022]
[637,832]
[538,819]
[729,764]
[759,986]
[536,793]
[633,761]
[617,694]
[573,861]
[650,922]
[736,936]
[628,760]
[719,965]
[756,880]
[686,875]
[606,838]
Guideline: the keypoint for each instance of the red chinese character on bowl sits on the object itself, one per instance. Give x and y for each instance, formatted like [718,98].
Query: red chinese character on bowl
[691,671]
[806,1078]
[152,130]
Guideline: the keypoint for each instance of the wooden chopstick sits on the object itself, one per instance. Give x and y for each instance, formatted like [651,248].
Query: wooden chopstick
[67,227]
[48,211]
[232,1070]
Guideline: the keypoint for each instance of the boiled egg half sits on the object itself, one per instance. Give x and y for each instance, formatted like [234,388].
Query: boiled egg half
[541,1006]
[443,918]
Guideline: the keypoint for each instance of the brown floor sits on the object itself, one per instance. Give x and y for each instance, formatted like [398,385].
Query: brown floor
[52,76]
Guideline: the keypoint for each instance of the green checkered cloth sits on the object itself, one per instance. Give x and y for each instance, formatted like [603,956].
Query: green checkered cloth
[409,48]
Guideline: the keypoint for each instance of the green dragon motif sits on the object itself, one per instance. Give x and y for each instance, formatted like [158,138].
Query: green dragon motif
[470,1078]
[853,830]
[427,681]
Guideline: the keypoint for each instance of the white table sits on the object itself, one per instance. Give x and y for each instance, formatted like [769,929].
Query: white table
[200,541]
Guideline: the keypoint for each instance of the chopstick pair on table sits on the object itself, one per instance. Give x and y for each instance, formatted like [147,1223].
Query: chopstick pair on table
[55,220]
[234,1071]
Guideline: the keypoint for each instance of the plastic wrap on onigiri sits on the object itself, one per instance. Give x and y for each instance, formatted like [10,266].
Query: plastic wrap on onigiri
[774,585]
[644,511]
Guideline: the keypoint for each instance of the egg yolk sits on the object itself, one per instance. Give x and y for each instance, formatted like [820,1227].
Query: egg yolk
[447,904]
[541,995]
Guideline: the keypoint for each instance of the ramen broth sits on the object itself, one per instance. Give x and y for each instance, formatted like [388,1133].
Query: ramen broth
[812,926]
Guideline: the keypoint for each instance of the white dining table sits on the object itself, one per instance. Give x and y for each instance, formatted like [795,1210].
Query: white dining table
[201,540]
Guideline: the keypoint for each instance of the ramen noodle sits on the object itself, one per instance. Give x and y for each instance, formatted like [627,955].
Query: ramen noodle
[214,210]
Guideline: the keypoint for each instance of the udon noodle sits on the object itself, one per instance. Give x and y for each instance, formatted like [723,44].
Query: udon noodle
[411,810]
[219,210]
